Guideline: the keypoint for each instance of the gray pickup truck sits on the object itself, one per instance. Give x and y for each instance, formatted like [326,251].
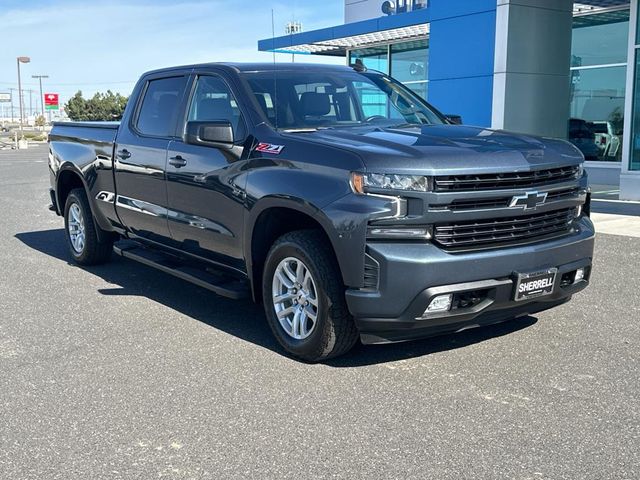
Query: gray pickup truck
[334,195]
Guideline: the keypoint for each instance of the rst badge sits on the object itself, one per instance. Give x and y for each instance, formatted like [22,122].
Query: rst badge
[269,148]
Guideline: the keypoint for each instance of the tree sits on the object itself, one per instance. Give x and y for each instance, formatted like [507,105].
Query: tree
[40,121]
[76,107]
[102,106]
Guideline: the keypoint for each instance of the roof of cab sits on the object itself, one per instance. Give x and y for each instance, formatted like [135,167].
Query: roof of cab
[256,67]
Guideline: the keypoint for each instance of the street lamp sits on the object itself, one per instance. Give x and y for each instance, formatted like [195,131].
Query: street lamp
[21,60]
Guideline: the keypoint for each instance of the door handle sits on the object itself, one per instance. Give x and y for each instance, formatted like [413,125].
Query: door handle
[177,161]
[123,154]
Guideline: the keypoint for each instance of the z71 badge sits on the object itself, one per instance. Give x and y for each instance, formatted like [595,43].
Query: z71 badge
[269,148]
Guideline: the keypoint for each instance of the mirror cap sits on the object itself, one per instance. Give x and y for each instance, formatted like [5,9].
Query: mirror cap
[212,133]
[454,118]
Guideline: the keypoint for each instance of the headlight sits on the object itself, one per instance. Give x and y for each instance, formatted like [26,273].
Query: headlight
[364,182]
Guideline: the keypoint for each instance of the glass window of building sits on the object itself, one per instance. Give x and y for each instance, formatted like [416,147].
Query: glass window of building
[598,80]
[375,58]
[600,39]
[634,161]
[634,157]
[410,65]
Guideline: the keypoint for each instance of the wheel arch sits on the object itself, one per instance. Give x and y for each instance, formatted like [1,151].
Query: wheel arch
[70,178]
[269,220]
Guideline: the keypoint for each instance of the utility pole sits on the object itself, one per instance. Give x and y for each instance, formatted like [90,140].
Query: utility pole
[20,60]
[40,77]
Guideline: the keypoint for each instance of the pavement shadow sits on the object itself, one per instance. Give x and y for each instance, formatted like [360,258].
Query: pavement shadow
[243,319]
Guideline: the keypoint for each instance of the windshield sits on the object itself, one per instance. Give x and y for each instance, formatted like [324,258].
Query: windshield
[312,100]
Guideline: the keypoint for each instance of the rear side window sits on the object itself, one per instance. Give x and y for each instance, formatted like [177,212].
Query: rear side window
[159,107]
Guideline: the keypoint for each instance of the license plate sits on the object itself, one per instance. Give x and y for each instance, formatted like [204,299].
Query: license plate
[538,284]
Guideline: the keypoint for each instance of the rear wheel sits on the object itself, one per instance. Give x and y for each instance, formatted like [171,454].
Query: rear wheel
[85,246]
[304,298]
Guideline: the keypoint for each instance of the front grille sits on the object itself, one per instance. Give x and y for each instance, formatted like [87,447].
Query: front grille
[504,231]
[497,181]
[501,202]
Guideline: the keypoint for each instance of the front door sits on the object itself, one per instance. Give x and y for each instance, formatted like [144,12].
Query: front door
[141,156]
[205,185]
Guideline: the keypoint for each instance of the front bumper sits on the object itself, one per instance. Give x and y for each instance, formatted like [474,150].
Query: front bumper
[411,275]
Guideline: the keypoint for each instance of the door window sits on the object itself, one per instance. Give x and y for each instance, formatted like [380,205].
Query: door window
[159,107]
[213,101]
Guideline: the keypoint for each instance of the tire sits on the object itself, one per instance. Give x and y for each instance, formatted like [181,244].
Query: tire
[333,332]
[79,219]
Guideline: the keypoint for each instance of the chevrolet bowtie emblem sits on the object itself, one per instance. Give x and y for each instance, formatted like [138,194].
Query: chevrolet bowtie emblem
[528,201]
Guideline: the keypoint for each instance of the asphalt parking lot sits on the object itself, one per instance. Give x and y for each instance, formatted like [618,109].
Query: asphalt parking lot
[122,372]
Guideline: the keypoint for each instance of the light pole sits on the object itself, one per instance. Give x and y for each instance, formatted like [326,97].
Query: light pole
[19,61]
[40,77]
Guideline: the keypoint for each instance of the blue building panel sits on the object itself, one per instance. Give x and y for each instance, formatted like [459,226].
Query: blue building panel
[470,97]
[461,58]
[462,46]
[441,9]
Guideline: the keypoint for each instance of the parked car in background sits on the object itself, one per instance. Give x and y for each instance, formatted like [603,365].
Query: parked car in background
[607,139]
[583,137]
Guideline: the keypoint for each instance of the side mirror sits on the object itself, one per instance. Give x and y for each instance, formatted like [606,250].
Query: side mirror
[214,133]
[453,118]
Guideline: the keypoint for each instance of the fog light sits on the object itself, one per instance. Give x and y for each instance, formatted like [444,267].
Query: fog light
[579,275]
[441,303]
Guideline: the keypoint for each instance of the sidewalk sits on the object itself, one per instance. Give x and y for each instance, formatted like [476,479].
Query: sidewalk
[612,224]
[606,199]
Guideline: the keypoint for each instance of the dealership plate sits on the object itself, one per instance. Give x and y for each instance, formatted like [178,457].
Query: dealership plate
[538,284]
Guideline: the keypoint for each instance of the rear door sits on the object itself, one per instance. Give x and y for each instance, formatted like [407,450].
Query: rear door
[141,156]
[205,185]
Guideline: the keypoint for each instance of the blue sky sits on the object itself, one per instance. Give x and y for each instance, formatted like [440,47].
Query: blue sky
[98,45]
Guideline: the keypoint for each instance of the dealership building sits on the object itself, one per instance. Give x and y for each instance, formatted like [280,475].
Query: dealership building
[546,67]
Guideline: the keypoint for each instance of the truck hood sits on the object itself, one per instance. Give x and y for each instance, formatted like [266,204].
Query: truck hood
[448,149]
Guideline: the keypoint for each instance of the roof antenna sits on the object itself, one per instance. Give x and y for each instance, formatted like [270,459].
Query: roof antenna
[275,73]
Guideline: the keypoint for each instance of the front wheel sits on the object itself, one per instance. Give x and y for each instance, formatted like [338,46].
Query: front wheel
[304,298]
[84,244]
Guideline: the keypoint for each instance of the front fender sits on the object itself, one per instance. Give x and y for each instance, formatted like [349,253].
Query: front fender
[288,202]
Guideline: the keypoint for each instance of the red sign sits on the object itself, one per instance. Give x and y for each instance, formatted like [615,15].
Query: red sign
[51,101]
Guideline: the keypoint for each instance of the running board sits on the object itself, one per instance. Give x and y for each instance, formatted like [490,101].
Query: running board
[221,284]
